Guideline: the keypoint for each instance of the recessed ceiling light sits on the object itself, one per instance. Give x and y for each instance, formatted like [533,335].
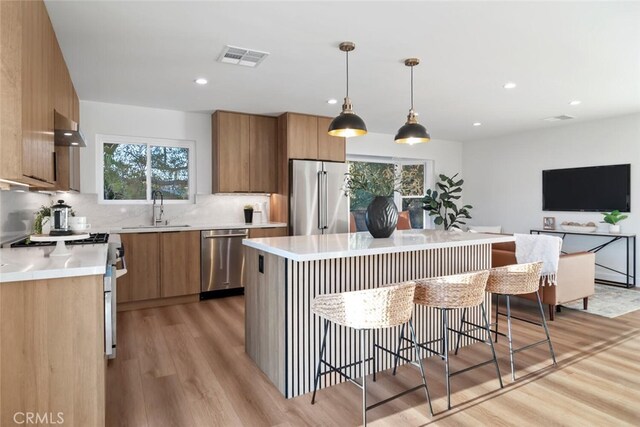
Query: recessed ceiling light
[201,81]
[74,143]
[68,134]
[477,124]
[509,85]
[576,102]
[332,101]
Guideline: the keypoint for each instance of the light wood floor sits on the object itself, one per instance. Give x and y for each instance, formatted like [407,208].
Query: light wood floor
[185,365]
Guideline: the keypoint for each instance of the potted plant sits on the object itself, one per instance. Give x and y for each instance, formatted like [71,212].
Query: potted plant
[248,214]
[373,185]
[613,218]
[442,206]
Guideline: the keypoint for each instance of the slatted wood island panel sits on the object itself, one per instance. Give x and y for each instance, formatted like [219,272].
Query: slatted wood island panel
[284,274]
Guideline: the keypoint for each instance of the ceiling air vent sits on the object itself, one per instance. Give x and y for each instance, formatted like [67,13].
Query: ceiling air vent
[241,56]
[558,118]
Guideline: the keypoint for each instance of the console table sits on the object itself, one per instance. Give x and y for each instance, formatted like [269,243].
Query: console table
[629,239]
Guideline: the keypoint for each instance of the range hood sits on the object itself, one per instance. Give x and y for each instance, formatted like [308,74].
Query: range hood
[66,132]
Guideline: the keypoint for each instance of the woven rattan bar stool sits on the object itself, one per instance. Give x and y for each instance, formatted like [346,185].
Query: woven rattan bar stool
[367,310]
[446,293]
[518,279]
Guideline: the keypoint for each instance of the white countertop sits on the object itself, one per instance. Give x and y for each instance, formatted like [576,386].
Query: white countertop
[18,264]
[310,248]
[190,227]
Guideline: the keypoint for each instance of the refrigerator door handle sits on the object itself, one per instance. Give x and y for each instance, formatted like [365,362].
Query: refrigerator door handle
[325,192]
[320,198]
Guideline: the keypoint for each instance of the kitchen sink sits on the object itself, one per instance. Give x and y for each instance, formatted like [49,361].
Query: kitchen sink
[156,226]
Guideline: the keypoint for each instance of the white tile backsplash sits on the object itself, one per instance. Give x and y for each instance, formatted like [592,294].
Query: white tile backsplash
[208,209]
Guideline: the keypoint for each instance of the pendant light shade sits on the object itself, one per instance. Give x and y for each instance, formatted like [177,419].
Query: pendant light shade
[348,123]
[412,132]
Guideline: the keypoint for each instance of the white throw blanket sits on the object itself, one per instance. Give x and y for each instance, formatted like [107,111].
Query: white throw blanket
[536,248]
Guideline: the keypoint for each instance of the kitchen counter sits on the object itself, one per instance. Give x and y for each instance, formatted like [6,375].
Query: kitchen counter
[23,264]
[190,227]
[327,246]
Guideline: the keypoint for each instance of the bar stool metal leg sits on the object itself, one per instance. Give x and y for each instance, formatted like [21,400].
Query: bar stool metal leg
[418,357]
[493,350]
[364,349]
[395,361]
[445,352]
[322,349]
[546,330]
[509,337]
[462,319]
[497,307]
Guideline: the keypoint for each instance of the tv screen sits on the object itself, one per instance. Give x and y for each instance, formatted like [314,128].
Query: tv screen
[591,189]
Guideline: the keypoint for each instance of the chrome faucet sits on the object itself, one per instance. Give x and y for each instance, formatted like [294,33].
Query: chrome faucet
[157,210]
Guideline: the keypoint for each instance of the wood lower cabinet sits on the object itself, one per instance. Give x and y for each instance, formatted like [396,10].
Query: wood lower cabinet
[244,153]
[52,352]
[255,233]
[160,265]
[142,281]
[179,263]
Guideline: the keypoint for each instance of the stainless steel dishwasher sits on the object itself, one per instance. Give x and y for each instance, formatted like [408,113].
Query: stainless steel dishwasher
[222,265]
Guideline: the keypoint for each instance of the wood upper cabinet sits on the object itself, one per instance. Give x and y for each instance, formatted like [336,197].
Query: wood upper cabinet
[34,81]
[307,138]
[302,136]
[179,263]
[142,281]
[244,153]
[37,111]
[330,148]
[230,152]
[263,176]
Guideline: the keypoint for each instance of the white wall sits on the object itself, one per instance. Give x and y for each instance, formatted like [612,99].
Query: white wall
[127,120]
[504,175]
[446,155]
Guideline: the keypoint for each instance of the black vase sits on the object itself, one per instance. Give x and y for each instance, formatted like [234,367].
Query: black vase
[382,217]
[248,216]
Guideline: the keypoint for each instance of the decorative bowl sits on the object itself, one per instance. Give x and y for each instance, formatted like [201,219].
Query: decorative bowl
[579,228]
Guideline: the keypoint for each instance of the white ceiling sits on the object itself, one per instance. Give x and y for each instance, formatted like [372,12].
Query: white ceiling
[149,53]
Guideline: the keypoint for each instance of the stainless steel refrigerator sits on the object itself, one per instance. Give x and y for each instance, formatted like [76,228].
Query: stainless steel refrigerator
[317,202]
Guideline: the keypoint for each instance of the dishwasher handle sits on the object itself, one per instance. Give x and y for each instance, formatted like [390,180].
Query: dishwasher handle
[224,236]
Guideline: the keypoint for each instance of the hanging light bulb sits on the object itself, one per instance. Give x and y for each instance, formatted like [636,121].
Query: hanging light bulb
[348,123]
[412,132]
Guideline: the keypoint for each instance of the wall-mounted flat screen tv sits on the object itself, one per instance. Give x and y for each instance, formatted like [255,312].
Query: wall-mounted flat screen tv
[590,189]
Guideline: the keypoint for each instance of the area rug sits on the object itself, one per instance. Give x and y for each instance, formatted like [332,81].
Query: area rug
[610,301]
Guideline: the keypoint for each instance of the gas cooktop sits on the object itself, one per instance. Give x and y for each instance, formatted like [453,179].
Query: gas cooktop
[94,238]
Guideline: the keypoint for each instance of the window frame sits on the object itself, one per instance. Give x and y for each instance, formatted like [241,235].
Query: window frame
[398,162]
[102,139]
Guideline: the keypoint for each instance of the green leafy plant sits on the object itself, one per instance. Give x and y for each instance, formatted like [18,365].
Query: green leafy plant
[441,204]
[248,207]
[613,217]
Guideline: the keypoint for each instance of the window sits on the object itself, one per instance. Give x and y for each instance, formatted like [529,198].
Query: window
[415,179]
[131,168]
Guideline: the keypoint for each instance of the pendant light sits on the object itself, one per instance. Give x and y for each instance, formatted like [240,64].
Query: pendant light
[348,123]
[412,132]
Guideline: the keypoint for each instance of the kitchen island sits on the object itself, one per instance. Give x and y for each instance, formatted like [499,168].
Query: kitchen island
[284,274]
